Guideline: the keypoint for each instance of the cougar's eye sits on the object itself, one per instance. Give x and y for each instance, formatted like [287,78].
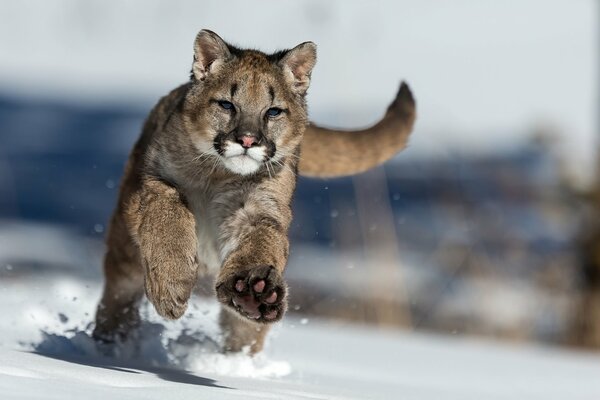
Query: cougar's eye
[273,112]
[227,105]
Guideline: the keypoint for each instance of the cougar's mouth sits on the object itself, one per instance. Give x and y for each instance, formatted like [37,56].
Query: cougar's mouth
[241,160]
[243,154]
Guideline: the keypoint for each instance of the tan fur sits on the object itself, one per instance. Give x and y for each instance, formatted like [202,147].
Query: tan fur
[332,153]
[195,198]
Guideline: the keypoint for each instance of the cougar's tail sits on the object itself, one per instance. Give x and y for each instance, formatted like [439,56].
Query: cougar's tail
[332,153]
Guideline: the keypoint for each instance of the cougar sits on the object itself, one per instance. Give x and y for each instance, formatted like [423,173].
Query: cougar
[208,187]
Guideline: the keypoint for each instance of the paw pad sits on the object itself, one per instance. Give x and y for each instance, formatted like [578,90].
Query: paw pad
[258,294]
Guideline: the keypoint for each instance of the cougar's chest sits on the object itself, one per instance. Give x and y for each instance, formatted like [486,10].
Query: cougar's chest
[211,208]
[207,230]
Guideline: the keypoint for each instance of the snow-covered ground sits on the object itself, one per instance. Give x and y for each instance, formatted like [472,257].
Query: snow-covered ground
[47,305]
[46,353]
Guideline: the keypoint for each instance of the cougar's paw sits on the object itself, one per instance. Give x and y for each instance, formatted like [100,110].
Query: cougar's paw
[258,294]
[115,325]
[169,296]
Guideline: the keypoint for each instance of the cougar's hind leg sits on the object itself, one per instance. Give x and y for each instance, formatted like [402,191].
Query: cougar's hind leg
[240,334]
[118,312]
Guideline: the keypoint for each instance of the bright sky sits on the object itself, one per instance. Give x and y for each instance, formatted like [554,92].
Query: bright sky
[485,73]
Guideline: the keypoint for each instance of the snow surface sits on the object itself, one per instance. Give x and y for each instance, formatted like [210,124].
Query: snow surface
[46,353]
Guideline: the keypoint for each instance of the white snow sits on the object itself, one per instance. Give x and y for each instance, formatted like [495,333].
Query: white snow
[46,351]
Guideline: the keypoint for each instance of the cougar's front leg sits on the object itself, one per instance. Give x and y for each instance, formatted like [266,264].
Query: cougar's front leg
[165,231]
[250,282]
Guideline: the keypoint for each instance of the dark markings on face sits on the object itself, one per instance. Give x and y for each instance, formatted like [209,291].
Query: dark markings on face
[272,94]
[219,142]
[234,88]
[270,148]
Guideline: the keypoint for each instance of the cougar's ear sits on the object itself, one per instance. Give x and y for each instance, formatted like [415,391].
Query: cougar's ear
[210,52]
[297,64]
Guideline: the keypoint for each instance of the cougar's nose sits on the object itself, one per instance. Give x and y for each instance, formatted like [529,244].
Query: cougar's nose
[247,141]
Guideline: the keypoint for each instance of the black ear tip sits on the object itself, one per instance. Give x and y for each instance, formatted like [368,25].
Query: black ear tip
[311,46]
[206,32]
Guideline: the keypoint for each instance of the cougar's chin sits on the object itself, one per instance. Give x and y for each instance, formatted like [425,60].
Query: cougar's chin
[243,165]
[243,161]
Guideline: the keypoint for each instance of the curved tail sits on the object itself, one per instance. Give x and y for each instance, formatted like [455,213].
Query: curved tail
[333,153]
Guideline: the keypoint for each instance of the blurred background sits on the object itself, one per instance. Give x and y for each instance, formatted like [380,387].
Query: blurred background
[485,225]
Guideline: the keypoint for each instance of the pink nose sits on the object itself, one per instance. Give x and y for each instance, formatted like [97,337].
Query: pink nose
[247,141]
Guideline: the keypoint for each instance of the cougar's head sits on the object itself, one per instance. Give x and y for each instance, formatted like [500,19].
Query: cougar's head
[247,108]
